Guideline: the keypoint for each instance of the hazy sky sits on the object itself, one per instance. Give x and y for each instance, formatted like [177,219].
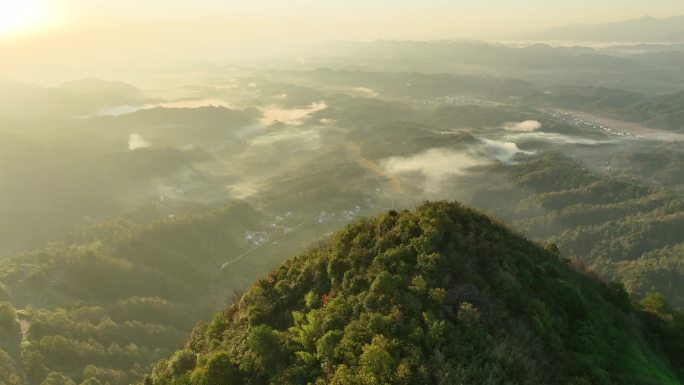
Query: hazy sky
[69,36]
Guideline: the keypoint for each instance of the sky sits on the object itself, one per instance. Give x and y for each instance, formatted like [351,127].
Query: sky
[70,36]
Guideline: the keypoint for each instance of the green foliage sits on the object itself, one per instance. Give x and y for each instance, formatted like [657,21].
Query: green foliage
[9,325]
[440,295]
[616,227]
[118,296]
[182,361]
[656,303]
[376,364]
[56,378]
[219,370]
[265,344]
[10,373]
[91,381]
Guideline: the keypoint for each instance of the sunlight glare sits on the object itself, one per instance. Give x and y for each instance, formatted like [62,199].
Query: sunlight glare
[22,16]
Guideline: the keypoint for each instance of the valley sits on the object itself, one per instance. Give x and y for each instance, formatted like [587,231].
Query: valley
[367,212]
[622,128]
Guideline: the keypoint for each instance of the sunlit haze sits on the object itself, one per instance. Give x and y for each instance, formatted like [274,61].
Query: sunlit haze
[121,37]
[341,192]
[25,17]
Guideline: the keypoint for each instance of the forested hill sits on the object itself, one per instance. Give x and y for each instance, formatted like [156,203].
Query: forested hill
[440,295]
[112,299]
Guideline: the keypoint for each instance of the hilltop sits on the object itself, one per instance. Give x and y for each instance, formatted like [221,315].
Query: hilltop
[443,294]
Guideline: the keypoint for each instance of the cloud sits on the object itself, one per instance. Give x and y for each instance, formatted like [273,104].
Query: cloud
[244,189]
[525,126]
[555,138]
[436,165]
[292,116]
[189,103]
[503,151]
[367,91]
[136,141]
[118,110]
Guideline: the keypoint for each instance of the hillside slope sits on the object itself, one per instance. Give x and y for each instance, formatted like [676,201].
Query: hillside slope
[112,299]
[666,112]
[440,295]
[616,225]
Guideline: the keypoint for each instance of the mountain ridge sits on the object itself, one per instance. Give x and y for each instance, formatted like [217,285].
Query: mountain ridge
[642,29]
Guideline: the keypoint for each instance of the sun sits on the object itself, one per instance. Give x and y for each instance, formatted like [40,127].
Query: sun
[22,16]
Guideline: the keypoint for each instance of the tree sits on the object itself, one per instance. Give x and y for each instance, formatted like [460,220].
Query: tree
[376,363]
[10,329]
[344,376]
[553,249]
[91,381]
[33,365]
[183,361]
[263,341]
[656,303]
[9,373]
[221,370]
[56,378]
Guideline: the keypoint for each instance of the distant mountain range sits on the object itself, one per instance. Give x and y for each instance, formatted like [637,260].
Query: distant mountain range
[92,86]
[644,29]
